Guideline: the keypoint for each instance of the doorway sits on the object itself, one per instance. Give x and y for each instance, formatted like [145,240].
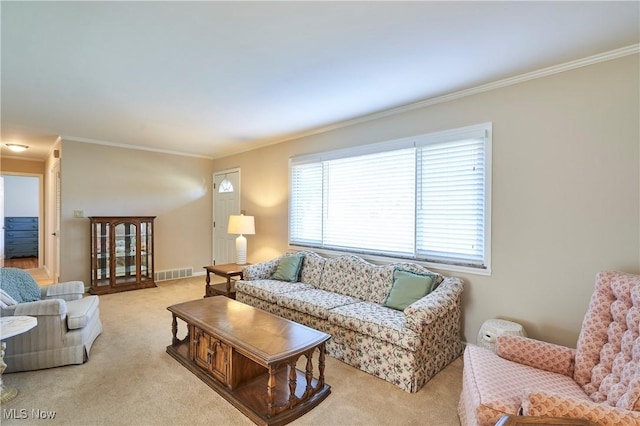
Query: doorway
[226,202]
[21,220]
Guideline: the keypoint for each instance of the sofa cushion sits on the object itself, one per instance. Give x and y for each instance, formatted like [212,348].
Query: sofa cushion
[408,287]
[80,312]
[376,321]
[608,352]
[312,267]
[260,271]
[496,385]
[348,275]
[314,302]
[269,289]
[288,268]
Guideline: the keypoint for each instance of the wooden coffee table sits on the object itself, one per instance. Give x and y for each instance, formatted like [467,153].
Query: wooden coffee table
[249,357]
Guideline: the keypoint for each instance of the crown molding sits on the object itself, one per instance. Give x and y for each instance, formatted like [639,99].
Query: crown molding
[544,72]
[541,73]
[136,147]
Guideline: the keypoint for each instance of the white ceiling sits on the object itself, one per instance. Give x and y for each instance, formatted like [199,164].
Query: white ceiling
[215,78]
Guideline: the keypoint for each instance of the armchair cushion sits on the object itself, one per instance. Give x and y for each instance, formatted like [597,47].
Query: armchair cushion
[81,311]
[71,290]
[555,405]
[536,353]
[19,284]
[42,307]
[496,383]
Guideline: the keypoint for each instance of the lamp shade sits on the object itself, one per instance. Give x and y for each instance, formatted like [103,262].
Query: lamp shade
[241,224]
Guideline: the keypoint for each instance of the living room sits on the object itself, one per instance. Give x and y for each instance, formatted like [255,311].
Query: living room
[565,185]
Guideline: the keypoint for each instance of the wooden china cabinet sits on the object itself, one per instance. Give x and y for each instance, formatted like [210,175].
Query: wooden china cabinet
[121,253]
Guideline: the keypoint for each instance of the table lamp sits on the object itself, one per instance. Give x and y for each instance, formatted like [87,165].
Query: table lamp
[241,224]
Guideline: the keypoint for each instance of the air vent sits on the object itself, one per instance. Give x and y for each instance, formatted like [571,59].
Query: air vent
[173,274]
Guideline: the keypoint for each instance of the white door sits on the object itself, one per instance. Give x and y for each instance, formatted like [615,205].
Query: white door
[226,201]
[55,235]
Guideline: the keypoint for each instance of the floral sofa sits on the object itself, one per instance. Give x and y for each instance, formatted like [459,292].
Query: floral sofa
[345,297]
[599,381]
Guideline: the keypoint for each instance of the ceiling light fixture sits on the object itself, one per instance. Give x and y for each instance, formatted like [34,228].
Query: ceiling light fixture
[17,147]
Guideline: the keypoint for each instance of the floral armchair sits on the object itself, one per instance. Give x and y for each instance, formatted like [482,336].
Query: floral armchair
[599,381]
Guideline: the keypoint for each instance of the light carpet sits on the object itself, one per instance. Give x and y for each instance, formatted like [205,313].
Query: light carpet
[130,380]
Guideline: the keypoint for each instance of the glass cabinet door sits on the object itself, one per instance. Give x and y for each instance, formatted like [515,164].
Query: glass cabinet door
[101,254]
[146,251]
[125,240]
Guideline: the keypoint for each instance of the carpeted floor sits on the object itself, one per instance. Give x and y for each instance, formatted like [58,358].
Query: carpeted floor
[131,380]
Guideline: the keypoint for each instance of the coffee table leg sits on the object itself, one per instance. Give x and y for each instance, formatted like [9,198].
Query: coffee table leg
[309,370]
[293,381]
[174,331]
[271,391]
[321,367]
[208,285]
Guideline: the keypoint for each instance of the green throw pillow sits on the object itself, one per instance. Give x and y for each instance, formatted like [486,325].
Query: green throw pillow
[408,287]
[289,268]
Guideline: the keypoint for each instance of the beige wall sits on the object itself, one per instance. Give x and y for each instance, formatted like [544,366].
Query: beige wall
[110,181]
[566,190]
[14,165]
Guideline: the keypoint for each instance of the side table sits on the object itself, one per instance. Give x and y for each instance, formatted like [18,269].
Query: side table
[228,271]
[9,327]
[493,328]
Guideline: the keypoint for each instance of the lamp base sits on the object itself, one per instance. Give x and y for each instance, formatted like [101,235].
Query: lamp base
[241,250]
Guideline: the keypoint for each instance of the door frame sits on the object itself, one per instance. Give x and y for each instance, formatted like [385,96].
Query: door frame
[40,210]
[213,204]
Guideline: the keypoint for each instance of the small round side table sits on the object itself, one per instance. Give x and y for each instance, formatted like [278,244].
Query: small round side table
[493,328]
[9,327]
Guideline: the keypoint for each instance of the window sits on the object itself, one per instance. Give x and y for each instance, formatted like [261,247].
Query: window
[225,186]
[424,198]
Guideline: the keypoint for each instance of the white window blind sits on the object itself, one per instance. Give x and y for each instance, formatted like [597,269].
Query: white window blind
[451,201]
[305,211]
[369,203]
[423,198]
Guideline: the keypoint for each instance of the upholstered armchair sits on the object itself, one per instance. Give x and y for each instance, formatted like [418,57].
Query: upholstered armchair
[68,323]
[598,381]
